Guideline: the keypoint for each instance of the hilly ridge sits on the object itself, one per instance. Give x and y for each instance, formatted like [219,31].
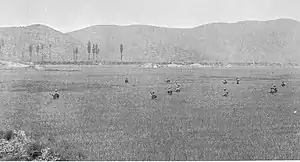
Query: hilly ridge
[56,46]
[244,41]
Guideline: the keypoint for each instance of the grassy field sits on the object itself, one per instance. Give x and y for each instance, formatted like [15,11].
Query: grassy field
[107,120]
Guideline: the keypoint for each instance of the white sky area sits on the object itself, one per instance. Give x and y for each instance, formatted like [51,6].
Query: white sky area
[69,15]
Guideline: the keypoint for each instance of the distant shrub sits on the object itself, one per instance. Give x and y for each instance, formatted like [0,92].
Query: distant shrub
[16,146]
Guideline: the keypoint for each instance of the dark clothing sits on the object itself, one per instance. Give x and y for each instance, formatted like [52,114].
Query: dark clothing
[153,96]
[126,80]
[273,90]
[170,92]
[55,96]
[226,94]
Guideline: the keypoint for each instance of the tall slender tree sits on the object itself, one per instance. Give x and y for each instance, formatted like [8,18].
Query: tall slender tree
[50,52]
[37,49]
[121,51]
[42,52]
[94,51]
[74,54]
[97,51]
[76,51]
[30,49]
[89,49]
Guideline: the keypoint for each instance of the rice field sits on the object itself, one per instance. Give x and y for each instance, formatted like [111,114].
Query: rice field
[109,120]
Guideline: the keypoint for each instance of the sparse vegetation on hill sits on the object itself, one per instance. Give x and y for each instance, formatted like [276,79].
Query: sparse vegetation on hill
[247,41]
[37,43]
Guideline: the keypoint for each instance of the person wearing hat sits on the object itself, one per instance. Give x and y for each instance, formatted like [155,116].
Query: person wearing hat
[153,96]
[55,95]
[273,89]
[177,88]
[126,80]
[225,92]
[283,84]
[237,81]
[169,91]
[168,80]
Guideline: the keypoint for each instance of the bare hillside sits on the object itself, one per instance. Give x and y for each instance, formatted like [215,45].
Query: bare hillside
[53,45]
[272,41]
[247,41]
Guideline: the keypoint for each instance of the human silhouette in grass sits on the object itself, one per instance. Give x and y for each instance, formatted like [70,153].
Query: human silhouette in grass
[169,91]
[168,80]
[273,89]
[226,93]
[237,80]
[177,87]
[153,96]
[55,95]
[283,84]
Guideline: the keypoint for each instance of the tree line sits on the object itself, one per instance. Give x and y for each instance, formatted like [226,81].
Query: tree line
[39,49]
[93,51]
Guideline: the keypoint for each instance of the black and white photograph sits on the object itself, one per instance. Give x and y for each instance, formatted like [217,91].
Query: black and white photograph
[149,80]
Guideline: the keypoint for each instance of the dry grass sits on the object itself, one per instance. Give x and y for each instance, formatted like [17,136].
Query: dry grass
[100,118]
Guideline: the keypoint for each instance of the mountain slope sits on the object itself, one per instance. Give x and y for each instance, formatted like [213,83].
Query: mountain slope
[15,41]
[245,41]
[272,41]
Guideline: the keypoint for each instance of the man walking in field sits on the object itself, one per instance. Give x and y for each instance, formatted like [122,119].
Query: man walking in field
[273,89]
[225,92]
[168,80]
[153,96]
[55,95]
[177,88]
[237,81]
[169,91]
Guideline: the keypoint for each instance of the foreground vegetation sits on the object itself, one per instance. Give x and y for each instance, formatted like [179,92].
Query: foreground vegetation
[16,146]
[98,117]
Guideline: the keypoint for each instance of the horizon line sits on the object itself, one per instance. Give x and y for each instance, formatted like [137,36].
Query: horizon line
[160,26]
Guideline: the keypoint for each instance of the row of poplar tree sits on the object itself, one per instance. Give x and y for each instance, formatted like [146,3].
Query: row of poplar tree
[39,47]
[95,50]
[91,49]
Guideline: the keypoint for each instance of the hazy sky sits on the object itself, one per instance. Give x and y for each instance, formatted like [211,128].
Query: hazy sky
[68,15]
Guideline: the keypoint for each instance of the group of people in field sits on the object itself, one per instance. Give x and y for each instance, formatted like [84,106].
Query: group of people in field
[273,89]
[226,93]
[169,91]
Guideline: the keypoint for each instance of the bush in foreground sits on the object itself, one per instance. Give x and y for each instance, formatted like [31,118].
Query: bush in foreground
[15,145]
